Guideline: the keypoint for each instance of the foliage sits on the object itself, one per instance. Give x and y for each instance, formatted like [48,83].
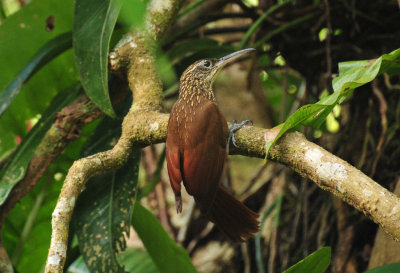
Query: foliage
[352,74]
[15,170]
[93,25]
[22,39]
[389,268]
[166,254]
[108,201]
[316,262]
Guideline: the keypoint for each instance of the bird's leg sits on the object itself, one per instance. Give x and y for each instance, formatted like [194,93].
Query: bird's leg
[235,127]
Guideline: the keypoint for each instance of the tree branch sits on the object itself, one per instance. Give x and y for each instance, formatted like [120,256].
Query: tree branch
[66,127]
[136,52]
[293,150]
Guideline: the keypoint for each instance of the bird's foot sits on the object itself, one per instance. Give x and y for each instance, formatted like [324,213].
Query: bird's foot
[235,127]
[178,204]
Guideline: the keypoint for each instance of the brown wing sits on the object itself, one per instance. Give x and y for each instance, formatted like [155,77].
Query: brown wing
[204,153]
[173,155]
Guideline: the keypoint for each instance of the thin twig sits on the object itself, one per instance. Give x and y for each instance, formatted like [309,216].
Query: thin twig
[382,109]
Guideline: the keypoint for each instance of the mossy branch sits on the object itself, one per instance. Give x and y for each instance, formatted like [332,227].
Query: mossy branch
[293,150]
[137,53]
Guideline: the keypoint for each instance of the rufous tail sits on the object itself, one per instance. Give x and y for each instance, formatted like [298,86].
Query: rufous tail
[236,220]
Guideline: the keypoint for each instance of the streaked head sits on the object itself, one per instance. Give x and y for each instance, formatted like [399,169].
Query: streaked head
[207,70]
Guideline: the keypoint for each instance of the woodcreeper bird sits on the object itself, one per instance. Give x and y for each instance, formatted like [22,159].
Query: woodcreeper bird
[197,138]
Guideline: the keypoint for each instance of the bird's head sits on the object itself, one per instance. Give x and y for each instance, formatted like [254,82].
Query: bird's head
[204,72]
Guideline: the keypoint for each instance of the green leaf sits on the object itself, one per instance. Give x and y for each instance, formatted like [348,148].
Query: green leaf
[22,35]
[300,116]
[137,261]
[166,254]
[15,170]
[388,268]
[316,262]
[353,74]
[108,201]
[347,66]
[93,26]
[49,51]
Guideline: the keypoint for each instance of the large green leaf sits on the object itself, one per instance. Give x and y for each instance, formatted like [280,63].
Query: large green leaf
[15,170]
[137,261]
[107,201]
[22,35]
[49,51]
[93,26]
[388,268]
[351,75]
[166,254]
[316,262]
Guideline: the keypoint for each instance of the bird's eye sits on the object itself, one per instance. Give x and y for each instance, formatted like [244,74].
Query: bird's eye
[207,64]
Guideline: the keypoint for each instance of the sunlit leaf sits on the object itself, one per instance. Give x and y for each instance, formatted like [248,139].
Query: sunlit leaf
[93,26]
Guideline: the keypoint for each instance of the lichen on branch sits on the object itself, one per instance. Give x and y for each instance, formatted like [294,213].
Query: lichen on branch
[137,54]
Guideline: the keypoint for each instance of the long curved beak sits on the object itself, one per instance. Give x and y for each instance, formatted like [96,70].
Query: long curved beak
[232,57]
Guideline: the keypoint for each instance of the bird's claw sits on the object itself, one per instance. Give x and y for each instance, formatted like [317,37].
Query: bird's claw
[235,127]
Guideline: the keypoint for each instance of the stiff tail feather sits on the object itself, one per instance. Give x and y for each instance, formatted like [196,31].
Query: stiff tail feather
[236,220]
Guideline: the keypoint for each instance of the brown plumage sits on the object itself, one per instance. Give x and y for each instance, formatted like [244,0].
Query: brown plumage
[196,150]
